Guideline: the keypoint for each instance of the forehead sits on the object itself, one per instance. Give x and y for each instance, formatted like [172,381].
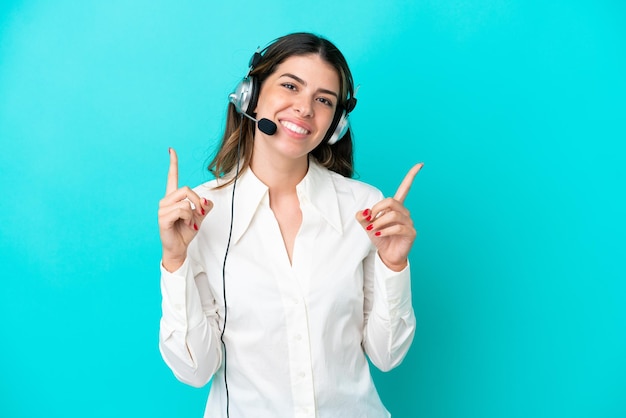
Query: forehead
[312,69]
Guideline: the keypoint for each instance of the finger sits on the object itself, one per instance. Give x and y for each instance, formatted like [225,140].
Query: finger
[201,206]
[363,216]
[172,174]
[207,205]
[177,195]
[386,206]
[388,219]
[396,230]
[168,216]
[403,190]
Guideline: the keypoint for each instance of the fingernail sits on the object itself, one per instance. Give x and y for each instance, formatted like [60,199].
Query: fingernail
[195,227]
[202,211]
[366,212]
[370,227]
[205,202]
[369,218]
[377,233]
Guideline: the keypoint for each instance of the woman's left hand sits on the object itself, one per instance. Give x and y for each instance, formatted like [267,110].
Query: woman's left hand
[388,224]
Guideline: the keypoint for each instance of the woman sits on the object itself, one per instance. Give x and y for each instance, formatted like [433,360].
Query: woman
[284,304]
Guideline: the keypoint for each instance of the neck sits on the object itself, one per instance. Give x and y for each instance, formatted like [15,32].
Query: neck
[280,176]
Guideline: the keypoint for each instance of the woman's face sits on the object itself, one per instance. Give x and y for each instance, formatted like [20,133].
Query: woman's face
[301,97]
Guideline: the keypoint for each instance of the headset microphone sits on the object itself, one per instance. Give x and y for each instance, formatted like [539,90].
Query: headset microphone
[265,125]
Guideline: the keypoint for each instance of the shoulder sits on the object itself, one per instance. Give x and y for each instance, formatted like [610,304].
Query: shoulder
[355,189]
[211,190]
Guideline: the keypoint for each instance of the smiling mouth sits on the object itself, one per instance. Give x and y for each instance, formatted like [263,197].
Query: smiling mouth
[294,128]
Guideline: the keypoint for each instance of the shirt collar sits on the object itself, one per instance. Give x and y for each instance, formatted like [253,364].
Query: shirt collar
[319,189]
[316,188]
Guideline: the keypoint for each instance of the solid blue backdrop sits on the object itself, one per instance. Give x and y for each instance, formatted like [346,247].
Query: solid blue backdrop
[516,107]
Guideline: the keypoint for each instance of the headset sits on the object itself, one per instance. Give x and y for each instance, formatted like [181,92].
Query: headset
[246,95]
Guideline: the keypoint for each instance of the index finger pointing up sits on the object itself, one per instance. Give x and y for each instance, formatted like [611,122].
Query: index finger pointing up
[403,190]
[172,174]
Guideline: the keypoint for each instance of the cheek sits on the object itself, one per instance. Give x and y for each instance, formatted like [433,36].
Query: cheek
[329,122]
[271,99]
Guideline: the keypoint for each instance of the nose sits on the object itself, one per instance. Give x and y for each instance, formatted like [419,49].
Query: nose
[303,105]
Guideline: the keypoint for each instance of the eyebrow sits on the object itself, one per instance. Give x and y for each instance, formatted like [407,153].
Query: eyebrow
[301,81]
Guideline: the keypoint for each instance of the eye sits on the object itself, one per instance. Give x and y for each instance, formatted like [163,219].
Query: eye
[289,86]
[325,101]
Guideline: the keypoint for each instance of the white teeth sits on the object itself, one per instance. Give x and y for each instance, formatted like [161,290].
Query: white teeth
[294,128]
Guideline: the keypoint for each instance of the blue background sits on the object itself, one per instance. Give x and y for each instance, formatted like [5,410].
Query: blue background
[516,107]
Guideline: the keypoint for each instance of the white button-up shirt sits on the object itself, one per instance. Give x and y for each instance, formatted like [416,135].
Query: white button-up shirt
[297,333]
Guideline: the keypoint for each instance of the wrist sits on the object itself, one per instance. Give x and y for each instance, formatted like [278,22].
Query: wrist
[397,266]
[172,263]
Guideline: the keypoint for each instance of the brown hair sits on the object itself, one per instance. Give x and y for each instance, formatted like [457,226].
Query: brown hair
[337,157]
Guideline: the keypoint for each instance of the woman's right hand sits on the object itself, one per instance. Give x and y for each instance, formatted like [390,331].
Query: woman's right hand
[181,211]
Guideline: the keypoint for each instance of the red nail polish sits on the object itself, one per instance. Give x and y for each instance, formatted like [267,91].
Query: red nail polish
[369,218]
[366,212]
[202,211]
[206,202]
[195,227]
[370,227]
[377,233]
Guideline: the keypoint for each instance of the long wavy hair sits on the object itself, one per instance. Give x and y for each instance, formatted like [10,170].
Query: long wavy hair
[337,157]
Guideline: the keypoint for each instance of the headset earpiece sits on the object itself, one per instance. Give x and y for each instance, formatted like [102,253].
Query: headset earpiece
[245,96]
[247,92]
[341,123]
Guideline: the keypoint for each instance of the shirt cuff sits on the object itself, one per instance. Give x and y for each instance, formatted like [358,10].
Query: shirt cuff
[177,289]
[393,289]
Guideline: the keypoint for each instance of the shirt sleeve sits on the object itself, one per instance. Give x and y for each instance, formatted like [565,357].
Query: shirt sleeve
[189,337]
[388,312]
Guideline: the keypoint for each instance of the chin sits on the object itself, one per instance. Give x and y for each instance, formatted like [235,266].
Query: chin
[297,149]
